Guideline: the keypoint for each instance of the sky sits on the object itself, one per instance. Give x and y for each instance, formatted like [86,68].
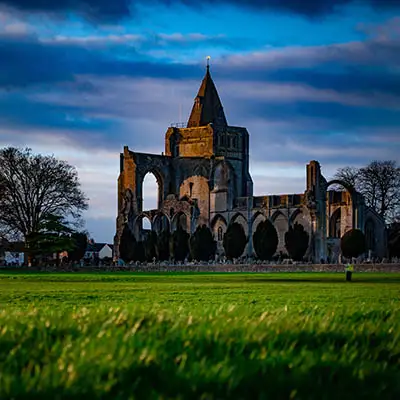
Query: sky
[315,79]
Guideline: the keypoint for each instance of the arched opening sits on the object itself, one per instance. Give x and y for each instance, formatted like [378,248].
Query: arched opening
[335,230]
[281,225]
[146,224]
[257,219]
[150,192]
[180,220]
[142,227]
[370,234]
[161,223]
[299,217]
[240,219]
[218,227]
[344,197]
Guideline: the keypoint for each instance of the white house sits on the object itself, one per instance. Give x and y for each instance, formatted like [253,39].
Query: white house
[99,250]
[13,258]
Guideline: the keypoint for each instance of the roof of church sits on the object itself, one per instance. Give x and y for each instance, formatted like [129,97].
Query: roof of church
[207,106]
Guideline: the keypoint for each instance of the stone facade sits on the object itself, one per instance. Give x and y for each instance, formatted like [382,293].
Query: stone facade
[203,178]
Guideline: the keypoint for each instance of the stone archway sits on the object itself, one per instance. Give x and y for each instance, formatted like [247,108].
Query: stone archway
[161,223]
[180,219]
[337,217]
[354,200]
[218,228]
[240,219]
[335,229]
[141,227]
[281,225]
[160,191]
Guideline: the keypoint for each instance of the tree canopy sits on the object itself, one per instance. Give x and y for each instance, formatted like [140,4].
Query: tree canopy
[296,242]
[179,244]
[34,186]
[79,241]
[150,246]
[234,241]
[379,182]
[163,245]
[127,245]
[202,244]
[265,240]
[353,243]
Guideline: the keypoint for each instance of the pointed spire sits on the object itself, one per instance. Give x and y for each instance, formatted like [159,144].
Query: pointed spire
[207,106]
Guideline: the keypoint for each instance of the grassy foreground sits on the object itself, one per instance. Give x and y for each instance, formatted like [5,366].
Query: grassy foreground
[275,336]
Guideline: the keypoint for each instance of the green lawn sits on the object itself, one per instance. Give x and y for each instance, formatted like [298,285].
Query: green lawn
[275,336]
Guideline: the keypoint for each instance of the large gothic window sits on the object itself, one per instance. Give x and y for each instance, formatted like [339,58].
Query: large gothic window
[150,191]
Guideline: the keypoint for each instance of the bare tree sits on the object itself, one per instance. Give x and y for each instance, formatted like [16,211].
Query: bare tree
[350,176]
[33,186]
[379,182]
[381,187]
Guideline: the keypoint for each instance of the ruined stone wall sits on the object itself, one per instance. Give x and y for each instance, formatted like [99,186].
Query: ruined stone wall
[196,187]
[127,177]
[342,201]
[191,142]
[279,215]
[380,233]
[233,145]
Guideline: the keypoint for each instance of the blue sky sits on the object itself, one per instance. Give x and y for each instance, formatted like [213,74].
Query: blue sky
[310,80]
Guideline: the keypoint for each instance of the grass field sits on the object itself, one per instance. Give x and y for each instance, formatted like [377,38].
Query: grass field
[275,336]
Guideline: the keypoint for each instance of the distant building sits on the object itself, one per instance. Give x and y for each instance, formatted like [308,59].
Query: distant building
[99,250]
[13,253]
[203,178]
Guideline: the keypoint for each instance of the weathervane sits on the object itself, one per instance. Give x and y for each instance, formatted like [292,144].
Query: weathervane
[208,62]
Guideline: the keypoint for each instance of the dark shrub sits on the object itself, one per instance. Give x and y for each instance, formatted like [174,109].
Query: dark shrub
[127,245]
[296,242]
[163,245]
[265,240]
[179,244]
[150,246]
[353,243]
[202,244]
[234,241]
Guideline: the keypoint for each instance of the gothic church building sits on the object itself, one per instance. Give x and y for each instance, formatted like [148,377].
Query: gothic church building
[203,178]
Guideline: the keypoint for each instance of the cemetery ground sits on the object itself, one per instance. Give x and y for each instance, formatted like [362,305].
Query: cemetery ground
[127,335]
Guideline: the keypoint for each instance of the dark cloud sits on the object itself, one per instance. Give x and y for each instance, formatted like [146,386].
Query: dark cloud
[72,71]
[27,61]
[369,68]
[18,111]
[100,10]
[340,116]
[349,80]
[114,10]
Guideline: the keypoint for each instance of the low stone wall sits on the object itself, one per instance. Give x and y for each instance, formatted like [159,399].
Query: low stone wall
[259,268]
[221,268]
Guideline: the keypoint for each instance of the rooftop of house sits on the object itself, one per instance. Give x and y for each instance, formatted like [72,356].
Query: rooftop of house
[96,247]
